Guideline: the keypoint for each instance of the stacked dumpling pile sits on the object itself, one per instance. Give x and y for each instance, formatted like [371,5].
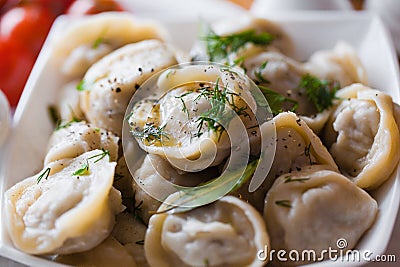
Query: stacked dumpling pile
[334,140]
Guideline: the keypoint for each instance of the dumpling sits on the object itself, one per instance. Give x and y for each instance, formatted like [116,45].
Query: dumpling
[110,83]
[313,209]
[75,138]
[297,146]
[123,178]
[68,102]
[341,64]
[88,39]
[130,231]
[192,124]
[156,178]
[241,25]
[67,211]
[108,254]
[279,73]
[228,232]
[363,137]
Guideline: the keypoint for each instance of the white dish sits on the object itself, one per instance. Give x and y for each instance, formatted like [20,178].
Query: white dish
[309,31]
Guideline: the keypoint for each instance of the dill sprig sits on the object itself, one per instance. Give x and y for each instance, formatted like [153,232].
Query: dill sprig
[289,179]
[320,92]
[100,156]
[140,242]
[284,203]
[217,115]
[151,133]
[67,124]
[219,47]
[276,101]
[184,107]
[44,174]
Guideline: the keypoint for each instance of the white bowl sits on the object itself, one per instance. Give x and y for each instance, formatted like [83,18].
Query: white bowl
[309,31]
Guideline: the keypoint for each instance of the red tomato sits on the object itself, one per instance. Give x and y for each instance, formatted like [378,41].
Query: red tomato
[27,24]
[57,7]
[15,65]
[87,7]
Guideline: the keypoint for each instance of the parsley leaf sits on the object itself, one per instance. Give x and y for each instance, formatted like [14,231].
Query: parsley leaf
[82,86]
[320,92]
[84,170]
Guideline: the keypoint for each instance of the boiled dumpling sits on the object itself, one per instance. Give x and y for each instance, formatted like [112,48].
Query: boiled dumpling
[228,232]
[75,138]
[363,137]
[108,254]
[341,64]
[242,25]
[68,103]
[312,209]
[187,125]
[153,176]
[130,231]
[297,146]
[71,210]
[284,75]
[88,39]
[110,83]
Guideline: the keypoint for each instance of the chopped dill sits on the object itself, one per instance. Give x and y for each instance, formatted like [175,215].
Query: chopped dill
[44,174]
[151,133]
[284,203]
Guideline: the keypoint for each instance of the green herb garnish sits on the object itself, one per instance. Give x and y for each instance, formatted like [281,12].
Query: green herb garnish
[211,190]
[44,174]
[218,115]
[184,108]
[100,156]
[320,92]
[219,47]
[97,42]
[140,242]
[137,208]
[307,152]
[54,114]
[276,101]
[284,203]
[82,86]
[67,124]
[259,76]
[289,179]
[84,170]
[151,133]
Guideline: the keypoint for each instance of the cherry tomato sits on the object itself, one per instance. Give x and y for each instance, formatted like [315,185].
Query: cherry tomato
[16,63]
[87,7]
[26,24]
[57,7]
